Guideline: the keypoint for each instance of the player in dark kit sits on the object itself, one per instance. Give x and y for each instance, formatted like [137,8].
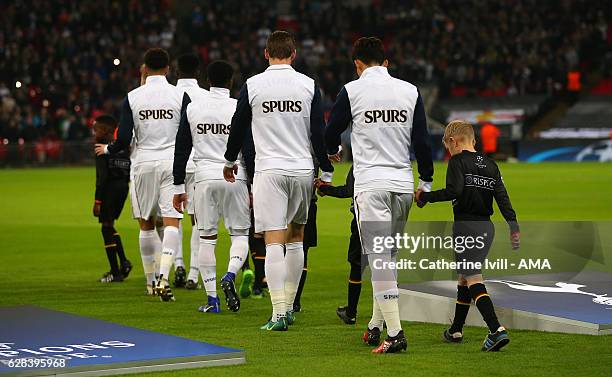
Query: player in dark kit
[473,180]
[112,185]
[348,313]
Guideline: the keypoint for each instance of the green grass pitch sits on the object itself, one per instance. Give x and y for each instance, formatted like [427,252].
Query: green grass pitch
[52,255]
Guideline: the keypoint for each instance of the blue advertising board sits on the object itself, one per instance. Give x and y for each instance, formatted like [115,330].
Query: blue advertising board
[40,342]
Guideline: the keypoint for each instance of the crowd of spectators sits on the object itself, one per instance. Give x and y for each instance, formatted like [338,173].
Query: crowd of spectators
[62,62]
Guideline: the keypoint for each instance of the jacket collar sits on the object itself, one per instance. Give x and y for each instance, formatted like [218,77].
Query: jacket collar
[156,79]
[186,83]
[375,71]
[276,67]
[219,92]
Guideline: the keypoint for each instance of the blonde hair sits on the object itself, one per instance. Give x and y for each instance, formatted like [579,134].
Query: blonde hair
[459,129]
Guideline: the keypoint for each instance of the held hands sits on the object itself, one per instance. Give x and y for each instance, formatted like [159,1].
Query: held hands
[417,198]
[515,240]
[96,208]
[318,184]
[423,187]
[336,157]
[100,149]
[229,173]
[179,201]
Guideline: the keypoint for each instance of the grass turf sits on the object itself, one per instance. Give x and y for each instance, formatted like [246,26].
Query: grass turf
[52,255]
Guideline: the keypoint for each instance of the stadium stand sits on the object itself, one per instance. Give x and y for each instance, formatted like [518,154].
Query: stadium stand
[64,62]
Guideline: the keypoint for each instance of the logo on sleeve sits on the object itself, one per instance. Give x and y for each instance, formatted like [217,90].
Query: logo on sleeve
[285,106]
[478,181]
[386,116]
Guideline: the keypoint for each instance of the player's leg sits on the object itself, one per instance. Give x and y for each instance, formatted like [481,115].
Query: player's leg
[171,241]
[236,216]
[270,209]
[297,301]
[294,262]
[455,333]
[276,273]
[144,202]
[120,194]
[194,242]
[149,244]
[297,214]
[180,274]
[498,336]
[159,229]
[348,313]
[114,275]
[310,240]
[383,214]
[257,246]
[207,214]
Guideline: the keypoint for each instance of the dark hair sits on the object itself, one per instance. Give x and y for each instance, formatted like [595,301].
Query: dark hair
[107,121]
[280,45]
[369,50]
[188,65]
[156,58]
[220,74]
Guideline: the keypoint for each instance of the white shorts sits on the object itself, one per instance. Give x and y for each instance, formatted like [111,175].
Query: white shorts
[135,211]
[218,198]
[154,187]
[380,214]
[190,188]
[279,200]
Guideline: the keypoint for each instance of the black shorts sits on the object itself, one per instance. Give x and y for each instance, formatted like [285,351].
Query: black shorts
[113,200]
[483,233]
[354,250]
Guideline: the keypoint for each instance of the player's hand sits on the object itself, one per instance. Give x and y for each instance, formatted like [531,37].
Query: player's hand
[100,149]
[336,157]
[230,173]
[96,209]
[179,201]
[515,239]
[417,198]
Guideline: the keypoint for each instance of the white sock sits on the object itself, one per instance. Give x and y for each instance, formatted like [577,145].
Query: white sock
[159,228]
[169,246]
[208,266]
[149,244]
[157,258]
[194,271]
[238,253]
[178,256]
[377,316]
[294,260]
[276,272]
[388,303]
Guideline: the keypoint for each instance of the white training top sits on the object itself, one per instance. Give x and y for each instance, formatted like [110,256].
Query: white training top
[210,120]
[382,109]
[280,100]
[155,111]
[193,90]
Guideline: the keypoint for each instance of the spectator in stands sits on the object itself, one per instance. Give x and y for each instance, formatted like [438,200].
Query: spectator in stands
[488,137]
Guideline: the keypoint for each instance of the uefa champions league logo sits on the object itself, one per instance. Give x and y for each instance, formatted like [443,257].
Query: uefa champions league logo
[560,287]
